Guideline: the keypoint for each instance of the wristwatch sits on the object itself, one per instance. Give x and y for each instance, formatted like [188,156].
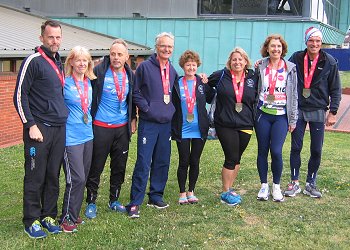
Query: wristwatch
[333,112]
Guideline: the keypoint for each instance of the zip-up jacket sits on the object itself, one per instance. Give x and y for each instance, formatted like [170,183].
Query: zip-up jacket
[204,94]
[291,89]
[325,85]
[97,89]
[38,94]
[225,114]
[149,94]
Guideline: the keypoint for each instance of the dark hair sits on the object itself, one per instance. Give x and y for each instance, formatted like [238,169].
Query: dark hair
[187,56]
[51,23]
[265,45]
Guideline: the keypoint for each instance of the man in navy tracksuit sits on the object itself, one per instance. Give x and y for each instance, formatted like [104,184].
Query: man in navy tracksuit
[154,80]
[39,101]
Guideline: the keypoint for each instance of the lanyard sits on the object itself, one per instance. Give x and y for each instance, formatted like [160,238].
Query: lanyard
[83,95]
[120,92]
[190,101]
[272,81]
[308,76]
[238,90]
[53,65]
[165,78]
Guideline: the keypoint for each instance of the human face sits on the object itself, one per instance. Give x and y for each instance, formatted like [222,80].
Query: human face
[314,45]
[164,48]
[275,49]
[51,38]
[118,56]
[80,65]
[238,63]
[190,69]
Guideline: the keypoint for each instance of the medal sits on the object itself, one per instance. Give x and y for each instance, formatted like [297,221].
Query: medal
[85,118]
[306,92]
[166,99]
[190,117]
[239,107]
[270,98]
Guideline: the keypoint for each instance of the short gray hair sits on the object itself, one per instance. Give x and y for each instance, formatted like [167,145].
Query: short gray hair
[163,34]
[120,41]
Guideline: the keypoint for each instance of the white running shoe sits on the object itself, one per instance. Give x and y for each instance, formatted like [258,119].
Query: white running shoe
[263,194]
[277,193]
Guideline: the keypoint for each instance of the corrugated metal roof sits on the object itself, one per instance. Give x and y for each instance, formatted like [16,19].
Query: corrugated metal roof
[20,33]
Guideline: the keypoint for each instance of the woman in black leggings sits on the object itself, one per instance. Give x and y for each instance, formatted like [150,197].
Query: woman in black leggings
[236,87]
[190,123]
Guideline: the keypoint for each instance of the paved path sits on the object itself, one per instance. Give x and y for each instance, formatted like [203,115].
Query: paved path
[343,116]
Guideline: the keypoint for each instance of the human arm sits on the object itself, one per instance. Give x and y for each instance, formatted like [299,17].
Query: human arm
[35,133]
[25,80]
[138,98]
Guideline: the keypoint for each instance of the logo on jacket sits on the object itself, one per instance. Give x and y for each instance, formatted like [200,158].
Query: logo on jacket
[250,83]
[200,89]
[144,140]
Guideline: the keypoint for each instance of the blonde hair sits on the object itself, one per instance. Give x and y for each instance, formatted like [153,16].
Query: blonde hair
[80,51]
[242,52]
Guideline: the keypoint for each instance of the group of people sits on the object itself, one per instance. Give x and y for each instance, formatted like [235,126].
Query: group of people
[81,114]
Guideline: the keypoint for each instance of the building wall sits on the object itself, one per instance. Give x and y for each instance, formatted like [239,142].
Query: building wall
[212,39]
[10,124]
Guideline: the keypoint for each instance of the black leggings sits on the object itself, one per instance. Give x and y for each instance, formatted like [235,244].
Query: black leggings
[190,151]
[233,143]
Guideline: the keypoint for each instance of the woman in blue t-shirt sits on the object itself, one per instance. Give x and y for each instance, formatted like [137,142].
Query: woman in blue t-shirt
[79,135]
[190,123]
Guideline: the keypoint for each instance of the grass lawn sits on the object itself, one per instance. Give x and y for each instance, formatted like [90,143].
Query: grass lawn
[345,79]
[297,223]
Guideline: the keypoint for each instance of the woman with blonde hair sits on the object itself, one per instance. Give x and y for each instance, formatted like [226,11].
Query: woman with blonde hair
[236,87]
[79,135]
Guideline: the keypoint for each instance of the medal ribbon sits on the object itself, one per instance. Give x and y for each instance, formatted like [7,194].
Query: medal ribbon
[83,95]
[165,78]
[53,65]
[308,76]
[120,92]
[272,82]
[190,101]
[238,91]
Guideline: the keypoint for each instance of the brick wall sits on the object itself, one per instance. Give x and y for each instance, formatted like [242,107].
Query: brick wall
[10,124]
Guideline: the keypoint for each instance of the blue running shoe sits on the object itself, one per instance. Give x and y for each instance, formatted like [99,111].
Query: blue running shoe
[90,211]
[230,199]
[50,225]
[116,206]
[35,231]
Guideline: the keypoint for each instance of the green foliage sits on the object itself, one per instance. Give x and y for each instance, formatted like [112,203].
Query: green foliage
[297,223]
[345,79]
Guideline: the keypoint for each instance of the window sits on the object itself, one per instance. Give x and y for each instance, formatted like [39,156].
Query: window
[250,7]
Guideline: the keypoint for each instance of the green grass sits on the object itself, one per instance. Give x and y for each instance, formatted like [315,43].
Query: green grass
[345,79]
[297,223]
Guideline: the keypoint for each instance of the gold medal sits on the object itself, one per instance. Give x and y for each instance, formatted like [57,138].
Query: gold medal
[239,107]
[85,118]
[190,117]
[166,99]
[270,98]
[306,92]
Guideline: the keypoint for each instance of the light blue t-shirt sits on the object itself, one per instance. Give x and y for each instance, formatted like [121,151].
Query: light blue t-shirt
[189,129]
[110,110]
[77,132]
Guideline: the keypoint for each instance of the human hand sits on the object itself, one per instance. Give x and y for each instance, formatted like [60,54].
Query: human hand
[204,77]
[35,134]
[291,128]
[256,64]
[133,126]
[331,119]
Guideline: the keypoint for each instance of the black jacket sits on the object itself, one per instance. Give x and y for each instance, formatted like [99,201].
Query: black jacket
[325,85]
[39,93]
[97,89]
[204,94]
[225,114]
